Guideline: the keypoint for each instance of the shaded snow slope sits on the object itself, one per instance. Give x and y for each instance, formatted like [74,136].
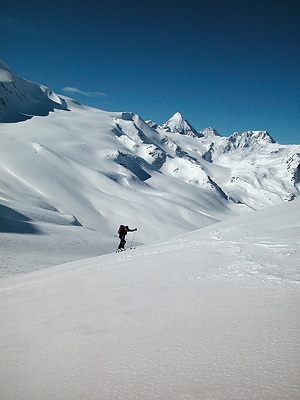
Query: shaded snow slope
[212,314]
[21,99]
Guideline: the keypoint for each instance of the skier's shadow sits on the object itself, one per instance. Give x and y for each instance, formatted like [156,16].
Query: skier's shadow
[12,221]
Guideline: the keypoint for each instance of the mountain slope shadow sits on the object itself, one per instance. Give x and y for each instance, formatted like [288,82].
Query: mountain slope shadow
[12,221]
[21,100]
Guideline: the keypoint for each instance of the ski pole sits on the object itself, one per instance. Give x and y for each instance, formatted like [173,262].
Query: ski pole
[132,238]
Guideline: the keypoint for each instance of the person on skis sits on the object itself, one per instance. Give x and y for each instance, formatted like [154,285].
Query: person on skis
[122,233]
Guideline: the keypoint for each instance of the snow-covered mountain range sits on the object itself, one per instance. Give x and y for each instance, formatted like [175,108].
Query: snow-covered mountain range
[67,165]
[211,314]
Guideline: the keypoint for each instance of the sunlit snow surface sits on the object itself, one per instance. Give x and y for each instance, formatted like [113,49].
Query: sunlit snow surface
[71,174]
[212,314]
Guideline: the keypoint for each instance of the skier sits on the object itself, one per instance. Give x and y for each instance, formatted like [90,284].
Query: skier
[122,233]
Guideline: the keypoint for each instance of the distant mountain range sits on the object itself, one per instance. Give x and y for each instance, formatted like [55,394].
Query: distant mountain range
[64,163]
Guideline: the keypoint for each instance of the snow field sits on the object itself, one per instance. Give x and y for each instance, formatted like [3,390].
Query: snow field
[205,315]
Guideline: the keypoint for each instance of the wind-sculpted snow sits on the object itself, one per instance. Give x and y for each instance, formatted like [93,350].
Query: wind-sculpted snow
[133,164]
[21,99]
[212,314]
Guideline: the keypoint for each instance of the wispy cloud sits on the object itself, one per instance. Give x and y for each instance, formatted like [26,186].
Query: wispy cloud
[87,94]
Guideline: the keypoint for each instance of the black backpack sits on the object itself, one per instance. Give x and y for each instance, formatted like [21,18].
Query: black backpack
[121,230]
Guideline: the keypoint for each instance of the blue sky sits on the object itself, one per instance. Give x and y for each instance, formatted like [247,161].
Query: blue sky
[232,65]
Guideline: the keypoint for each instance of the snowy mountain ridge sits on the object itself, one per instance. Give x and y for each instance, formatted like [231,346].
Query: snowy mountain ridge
[21,99]
[178,124]
[66,164]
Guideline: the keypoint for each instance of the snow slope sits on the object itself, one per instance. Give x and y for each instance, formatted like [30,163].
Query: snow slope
[21,99]
[76,173]
[212,314]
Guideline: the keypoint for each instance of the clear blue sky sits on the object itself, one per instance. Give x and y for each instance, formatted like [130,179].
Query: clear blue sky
[232,65]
